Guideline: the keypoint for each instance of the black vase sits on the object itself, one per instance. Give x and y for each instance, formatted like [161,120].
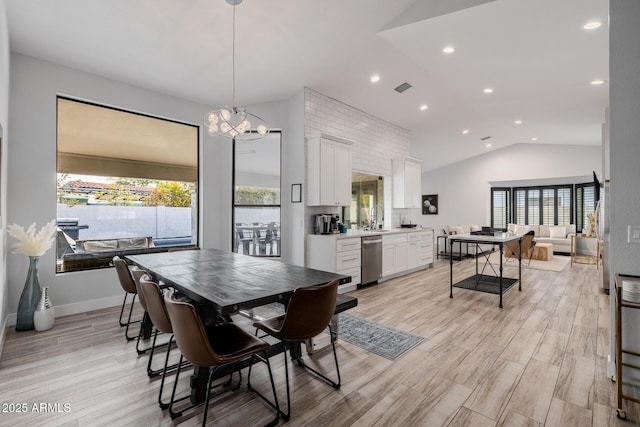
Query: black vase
[30,297]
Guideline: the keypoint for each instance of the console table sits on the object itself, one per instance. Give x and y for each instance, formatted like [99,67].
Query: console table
[584,259]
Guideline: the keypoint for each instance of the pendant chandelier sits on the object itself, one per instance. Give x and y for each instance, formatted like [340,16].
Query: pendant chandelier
[235,122]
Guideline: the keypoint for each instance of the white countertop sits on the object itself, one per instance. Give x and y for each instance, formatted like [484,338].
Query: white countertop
[360,233]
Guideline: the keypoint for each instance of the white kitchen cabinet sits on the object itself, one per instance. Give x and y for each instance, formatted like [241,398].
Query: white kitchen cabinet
[328,170]
[337,255]
[394,254]
[407,183]
[425,248]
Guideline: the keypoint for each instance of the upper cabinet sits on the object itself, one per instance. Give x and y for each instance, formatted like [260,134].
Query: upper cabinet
[328,170]
[407,182]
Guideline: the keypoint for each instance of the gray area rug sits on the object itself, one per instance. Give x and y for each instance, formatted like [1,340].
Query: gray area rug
[382,340]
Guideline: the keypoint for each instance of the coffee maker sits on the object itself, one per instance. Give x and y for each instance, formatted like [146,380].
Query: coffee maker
[326,224]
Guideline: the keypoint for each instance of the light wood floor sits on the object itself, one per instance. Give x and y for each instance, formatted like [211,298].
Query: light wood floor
[539,361]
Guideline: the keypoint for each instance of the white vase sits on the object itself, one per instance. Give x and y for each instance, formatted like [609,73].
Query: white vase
[45,314]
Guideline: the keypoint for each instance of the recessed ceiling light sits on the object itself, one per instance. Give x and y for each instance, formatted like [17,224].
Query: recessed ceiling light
[466,131]
[534,139]
[597,82]
[375,78]
[592,25]
[488,145]
[423,107]
[448,49]
[518,122]
[488,90]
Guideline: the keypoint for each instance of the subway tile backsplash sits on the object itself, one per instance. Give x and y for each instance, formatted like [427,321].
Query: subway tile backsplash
[376,142]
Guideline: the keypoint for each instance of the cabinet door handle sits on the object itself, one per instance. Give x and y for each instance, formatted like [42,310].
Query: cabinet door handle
[350,259]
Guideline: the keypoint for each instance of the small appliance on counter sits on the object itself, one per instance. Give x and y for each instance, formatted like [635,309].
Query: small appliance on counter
[326,224]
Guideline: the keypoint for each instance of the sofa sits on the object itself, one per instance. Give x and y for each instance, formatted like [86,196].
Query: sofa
[464,249]
[558,235]
[98,253]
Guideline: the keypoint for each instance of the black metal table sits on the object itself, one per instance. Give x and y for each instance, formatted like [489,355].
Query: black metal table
[228,282]
[499,239]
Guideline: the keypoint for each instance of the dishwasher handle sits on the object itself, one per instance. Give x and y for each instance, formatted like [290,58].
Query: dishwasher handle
[371,241]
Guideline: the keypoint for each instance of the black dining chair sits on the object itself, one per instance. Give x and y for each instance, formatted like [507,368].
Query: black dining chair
[213,348]
[308,314]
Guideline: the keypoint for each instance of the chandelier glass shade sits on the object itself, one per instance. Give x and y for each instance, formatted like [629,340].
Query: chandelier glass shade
[235,122]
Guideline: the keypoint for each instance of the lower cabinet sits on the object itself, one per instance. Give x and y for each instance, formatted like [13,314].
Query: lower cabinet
[394,254]
[341,256]
[425,248]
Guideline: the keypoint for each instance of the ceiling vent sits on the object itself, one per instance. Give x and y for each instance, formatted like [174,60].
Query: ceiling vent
[404,86]
[485,138]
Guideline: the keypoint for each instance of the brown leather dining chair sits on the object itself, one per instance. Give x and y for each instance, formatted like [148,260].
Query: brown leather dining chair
[128,285]
[213,348]
[308,314]
[160,319]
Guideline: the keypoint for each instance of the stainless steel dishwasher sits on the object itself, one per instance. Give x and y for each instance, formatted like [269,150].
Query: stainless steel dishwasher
[371,259]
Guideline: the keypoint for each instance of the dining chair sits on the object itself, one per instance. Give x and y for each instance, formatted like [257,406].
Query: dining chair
[128,285]
[308,314]
[213,348]
[158,315]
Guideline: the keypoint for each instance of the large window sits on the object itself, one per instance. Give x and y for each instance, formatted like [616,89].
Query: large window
[500,207]
[126,183]
[550,205]
[256,197]
[585,204]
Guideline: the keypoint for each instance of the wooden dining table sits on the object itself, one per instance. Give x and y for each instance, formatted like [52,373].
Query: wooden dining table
[227,282]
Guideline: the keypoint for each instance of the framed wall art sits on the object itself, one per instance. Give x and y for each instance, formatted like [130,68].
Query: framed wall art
[430,204]
[296,193]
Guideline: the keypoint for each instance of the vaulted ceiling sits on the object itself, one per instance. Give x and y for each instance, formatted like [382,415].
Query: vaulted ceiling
[535,55]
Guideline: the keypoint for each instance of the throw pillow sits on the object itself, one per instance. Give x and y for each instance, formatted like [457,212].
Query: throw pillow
[511,228]
[456,229]
[544,231]
[558,232]
[522,229]
[475,227]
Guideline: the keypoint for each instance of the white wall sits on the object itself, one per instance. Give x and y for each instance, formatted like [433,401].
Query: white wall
[293,172]
[32,162]
[4,120]
[463,189]
[624,63]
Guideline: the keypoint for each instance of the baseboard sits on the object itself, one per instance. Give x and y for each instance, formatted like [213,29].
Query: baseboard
[3,333]
[75,308]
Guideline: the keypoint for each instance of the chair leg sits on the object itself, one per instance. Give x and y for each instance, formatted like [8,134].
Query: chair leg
[123,324]
[275,406]
[162,404]
[129,322]
[334,384]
